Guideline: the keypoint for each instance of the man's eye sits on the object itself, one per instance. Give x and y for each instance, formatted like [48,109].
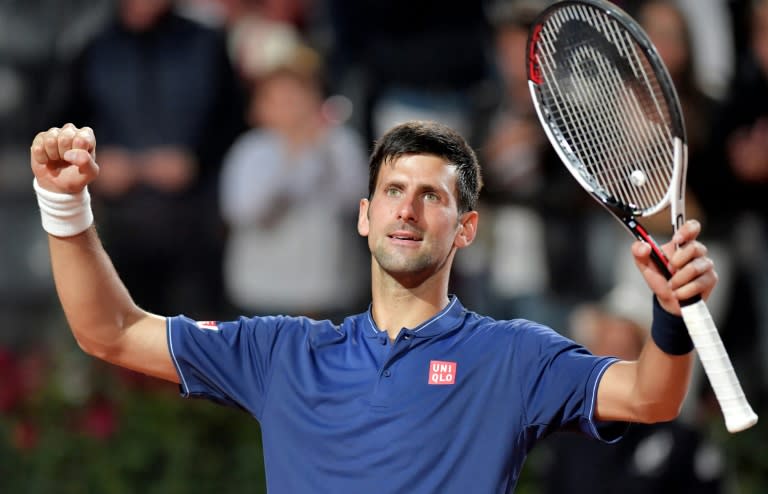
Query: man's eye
[431,196]
[393,192]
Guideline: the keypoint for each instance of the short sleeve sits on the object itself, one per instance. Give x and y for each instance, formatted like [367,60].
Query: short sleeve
[226,362]
[560,386]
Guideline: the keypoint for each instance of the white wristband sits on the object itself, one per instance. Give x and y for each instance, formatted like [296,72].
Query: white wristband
[64,215]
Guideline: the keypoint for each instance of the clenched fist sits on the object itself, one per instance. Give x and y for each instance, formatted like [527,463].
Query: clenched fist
[63,159]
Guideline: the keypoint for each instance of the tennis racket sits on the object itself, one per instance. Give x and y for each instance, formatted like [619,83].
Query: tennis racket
[611,112]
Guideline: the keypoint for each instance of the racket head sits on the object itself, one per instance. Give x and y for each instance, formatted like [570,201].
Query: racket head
[608,105]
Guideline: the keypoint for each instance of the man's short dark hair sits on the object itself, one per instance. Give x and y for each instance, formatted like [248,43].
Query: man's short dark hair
[435,139]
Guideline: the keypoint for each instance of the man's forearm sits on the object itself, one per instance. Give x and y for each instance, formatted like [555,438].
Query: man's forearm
[664,366]
[96,303]
[661,383]
[653,387]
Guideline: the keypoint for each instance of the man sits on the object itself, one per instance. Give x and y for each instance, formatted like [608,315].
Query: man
[418,394]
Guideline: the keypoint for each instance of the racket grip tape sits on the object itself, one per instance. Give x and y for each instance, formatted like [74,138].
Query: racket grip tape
[717,365]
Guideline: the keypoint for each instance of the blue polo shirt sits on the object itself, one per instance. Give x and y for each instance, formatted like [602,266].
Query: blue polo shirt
[452,406]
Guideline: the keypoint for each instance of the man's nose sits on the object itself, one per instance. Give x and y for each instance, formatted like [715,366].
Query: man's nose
[407,209]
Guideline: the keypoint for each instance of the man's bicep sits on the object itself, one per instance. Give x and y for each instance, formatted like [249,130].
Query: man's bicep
[144,348]
[615,391]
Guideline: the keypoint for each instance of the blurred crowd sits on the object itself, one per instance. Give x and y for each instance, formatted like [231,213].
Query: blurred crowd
[233,138]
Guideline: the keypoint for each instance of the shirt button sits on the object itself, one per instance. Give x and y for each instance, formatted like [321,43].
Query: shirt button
[387,373]
[407,337]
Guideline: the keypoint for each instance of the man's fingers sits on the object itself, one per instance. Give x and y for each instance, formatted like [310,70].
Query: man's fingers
[65,138]
[70,137]
[78,157]
[695,272]
[701,285]
[687,232]
[693,269]
[51,144]
[38,149]
[85,139]
[687,253]
[641,249]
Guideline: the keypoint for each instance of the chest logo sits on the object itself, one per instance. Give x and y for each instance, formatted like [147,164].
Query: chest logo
[441,372]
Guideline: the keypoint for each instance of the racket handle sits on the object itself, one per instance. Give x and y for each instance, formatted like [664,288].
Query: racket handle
[717,365]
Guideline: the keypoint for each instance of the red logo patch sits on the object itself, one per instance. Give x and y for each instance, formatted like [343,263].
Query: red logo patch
[441,372]
[210,325]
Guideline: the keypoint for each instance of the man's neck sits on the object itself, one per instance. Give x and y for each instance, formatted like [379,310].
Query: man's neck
[396,307]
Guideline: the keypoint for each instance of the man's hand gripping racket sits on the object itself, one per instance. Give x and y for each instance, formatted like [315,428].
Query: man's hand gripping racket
[610,110]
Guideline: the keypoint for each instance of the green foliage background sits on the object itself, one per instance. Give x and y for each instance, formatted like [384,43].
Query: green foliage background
[161,443]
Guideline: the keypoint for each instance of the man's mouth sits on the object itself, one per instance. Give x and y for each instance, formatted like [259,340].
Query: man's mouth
[405,236]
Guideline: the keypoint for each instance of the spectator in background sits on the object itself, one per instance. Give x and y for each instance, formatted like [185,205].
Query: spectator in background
[161,93]
[257,43]
[259,33]
[536,209]
[289,12]
[734,188]
[34,37]
[294,178]
[710,26]
[425,60]
[742,130]
[669,31]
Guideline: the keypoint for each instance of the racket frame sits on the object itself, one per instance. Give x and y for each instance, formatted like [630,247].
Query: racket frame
[737,412]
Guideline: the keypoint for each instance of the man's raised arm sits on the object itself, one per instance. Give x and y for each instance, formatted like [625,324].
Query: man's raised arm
[652,389]
[101,313]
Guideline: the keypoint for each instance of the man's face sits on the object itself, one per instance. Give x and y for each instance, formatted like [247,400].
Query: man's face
[412,221]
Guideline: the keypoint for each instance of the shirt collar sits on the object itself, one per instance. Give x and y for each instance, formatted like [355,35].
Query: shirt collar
[449,318]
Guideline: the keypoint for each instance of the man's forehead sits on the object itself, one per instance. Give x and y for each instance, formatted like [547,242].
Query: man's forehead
[420,164]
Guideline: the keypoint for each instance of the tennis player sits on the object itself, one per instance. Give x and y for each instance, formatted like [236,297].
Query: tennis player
[418,394]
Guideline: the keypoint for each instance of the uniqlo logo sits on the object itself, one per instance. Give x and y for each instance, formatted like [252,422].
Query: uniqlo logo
[441,372]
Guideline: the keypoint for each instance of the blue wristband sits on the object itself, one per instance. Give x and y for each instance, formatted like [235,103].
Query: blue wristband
[669,332]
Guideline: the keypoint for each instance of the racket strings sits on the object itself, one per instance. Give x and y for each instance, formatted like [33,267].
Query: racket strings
[626,143]
[610,151]
[626,47]
[627,127]
[608,107]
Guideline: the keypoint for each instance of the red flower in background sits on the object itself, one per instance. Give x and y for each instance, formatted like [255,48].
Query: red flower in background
[99,419]
[25,435]
[20,377]
[10,381]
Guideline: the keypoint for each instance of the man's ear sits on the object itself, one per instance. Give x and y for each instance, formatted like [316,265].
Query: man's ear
[467,229]
[362,218]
